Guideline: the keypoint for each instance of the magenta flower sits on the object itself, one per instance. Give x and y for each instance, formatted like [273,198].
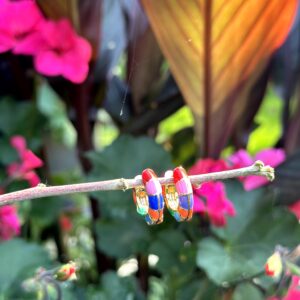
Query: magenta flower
[18,21]
[241,158]
[29,161]
[208,165]
[9,222]
[293,291]
[58,50]
[210,198]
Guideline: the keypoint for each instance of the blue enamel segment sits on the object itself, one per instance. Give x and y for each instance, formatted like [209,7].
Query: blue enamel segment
[177,217]
[186,201]
[156,201]
[149,221]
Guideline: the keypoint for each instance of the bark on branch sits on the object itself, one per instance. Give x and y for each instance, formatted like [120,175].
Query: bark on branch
[41,190]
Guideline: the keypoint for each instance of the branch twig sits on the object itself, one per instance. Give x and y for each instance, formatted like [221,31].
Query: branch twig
[41,190]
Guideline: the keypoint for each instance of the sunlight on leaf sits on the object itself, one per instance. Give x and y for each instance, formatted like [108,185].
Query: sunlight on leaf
[269,128]
[213,45]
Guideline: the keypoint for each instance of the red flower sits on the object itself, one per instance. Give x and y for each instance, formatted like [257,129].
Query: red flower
[295,209]
[29,161]
[66,272]
[58,50]
[18,20]
[9,222]
[65,223]
[210,198]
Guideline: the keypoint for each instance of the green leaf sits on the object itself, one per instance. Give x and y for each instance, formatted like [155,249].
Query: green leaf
[247,291]
[115,287]
[18,260]
[8,153]
[126,157]
[293,268]
[249,239]
[53,108]
[174,255]
[122,238]
[269,127]
[20,118]
[246,205]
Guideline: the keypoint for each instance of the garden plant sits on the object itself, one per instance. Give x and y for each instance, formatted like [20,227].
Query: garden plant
[150,149]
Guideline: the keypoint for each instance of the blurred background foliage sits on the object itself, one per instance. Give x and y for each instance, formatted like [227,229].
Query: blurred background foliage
[169,82]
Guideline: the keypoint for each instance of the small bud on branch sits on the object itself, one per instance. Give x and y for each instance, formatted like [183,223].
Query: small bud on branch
[41,190]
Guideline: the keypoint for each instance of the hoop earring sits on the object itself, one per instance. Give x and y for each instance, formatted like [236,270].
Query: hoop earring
[155,197]
[171,198]
[140,198]
[185,193]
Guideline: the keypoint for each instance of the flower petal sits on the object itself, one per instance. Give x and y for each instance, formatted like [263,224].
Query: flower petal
[48,63]
[19,143]
[272,157]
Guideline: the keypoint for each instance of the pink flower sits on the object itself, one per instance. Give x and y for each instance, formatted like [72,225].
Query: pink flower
[29,161]
[9,222]
[208,165]
[293,291]
[18,20]
[58,50]
[210,198]
[241,158]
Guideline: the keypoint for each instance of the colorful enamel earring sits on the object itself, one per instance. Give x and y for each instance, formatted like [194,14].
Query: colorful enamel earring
[155,197]
[185,193]
[171,198]
[140,198]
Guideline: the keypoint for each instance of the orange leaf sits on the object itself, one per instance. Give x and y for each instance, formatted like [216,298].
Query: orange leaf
[213,46]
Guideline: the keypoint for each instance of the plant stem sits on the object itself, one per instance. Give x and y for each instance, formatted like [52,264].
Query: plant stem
[41,190]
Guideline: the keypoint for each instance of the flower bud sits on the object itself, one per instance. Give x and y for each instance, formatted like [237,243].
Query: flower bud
[273,265]
[66,272]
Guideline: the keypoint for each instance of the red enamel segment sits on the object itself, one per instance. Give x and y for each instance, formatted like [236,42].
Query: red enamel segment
[179,173]
[148,174]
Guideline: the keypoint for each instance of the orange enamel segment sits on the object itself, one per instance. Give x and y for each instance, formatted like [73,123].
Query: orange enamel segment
[212,46]
[184,214]
[154,214]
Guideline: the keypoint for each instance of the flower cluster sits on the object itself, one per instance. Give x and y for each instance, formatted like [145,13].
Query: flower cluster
[9,222]
[54,45]
[210,197]
[22,170]
[271,157]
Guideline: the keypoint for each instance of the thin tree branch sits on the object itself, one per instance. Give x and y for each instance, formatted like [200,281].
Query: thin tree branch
[41,190]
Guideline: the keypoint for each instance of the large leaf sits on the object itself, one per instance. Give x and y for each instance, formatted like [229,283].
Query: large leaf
[214,46]
[249,239]
[53,108]
[18,261]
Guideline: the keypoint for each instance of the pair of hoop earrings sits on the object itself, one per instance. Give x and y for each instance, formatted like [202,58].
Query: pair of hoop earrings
[150,198]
